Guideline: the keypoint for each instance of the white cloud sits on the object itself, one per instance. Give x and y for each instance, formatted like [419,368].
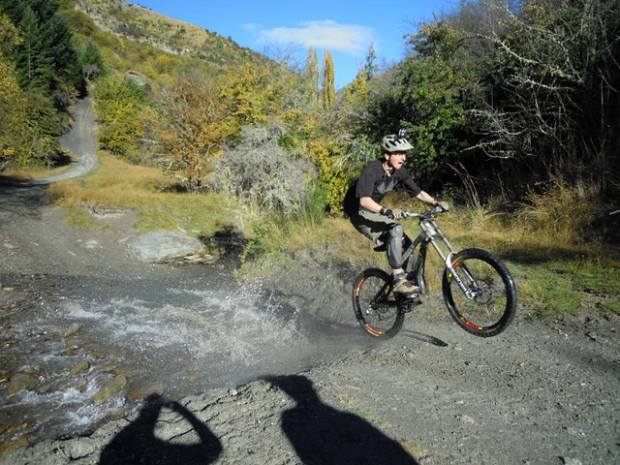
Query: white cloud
[251,27]
[346,38]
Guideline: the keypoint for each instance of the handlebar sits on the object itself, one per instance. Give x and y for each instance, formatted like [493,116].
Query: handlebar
[424,215]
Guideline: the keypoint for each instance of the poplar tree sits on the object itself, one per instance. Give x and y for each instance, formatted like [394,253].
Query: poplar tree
[329,90]
[312,69]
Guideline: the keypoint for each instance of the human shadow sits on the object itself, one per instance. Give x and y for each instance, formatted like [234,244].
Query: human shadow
[137,442]
[322,434]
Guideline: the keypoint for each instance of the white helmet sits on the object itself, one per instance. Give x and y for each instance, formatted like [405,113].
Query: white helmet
[396,143]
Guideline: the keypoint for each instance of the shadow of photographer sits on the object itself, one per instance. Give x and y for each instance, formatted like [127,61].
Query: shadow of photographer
[138,443]
[322,434]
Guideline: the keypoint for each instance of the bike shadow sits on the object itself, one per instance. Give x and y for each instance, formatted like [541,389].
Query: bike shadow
[137,443]
[423,337]
[322,434]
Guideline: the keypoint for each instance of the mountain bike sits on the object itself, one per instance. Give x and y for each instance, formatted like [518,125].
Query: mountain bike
[478,289]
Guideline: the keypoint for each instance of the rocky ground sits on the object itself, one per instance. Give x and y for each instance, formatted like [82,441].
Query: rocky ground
[541,393]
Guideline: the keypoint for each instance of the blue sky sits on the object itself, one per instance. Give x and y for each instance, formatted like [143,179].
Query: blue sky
[346,28]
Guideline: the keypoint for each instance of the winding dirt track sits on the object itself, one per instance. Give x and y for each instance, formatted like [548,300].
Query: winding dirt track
[81,141]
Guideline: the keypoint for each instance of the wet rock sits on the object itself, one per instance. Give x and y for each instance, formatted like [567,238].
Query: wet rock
[11,445]
[22,381]
[164,246]
[113,387]
[71,330]
[79,367]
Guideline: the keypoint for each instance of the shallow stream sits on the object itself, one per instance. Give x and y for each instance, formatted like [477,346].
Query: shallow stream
[87,349]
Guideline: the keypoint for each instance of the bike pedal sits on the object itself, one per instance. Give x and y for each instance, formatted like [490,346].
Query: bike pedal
[414,298]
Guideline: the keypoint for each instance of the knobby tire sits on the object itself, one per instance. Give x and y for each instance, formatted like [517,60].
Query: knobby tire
[495,304]
[379,317]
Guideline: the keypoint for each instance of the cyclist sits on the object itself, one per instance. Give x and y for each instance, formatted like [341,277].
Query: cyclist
[380,224]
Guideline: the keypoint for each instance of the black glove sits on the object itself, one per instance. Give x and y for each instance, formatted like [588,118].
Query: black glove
[395,214]
[387,212]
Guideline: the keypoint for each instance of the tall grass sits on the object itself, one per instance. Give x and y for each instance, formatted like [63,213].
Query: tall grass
[563,213]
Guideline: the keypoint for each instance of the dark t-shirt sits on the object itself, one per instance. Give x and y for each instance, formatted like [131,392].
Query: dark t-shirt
[375,183]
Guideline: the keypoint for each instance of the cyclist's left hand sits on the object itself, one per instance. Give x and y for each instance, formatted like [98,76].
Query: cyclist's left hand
[444,206]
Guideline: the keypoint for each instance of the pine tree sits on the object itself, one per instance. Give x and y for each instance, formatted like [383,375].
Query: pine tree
[91,60]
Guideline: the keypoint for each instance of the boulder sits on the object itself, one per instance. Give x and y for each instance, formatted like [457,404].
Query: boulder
[164,246]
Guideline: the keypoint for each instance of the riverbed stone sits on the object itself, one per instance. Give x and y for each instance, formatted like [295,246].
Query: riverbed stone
[80,367]
[22,381]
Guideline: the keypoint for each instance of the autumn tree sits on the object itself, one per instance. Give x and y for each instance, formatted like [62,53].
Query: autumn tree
[122,111]
[196,117]
[12,102]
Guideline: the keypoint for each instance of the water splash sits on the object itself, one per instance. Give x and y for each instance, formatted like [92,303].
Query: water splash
[172,336]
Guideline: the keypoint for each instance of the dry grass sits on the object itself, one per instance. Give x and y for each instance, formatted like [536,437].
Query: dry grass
[30,173]
[562,213]
[120,184]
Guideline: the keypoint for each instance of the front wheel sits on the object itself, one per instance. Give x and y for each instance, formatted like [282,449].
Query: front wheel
[489,302]
[375,312]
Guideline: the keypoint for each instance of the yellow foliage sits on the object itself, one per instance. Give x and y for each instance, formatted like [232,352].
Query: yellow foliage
[357,91]
[245,96]
[196,126]
[331,176]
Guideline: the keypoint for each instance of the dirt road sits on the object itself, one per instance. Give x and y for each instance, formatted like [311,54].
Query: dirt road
[538,394]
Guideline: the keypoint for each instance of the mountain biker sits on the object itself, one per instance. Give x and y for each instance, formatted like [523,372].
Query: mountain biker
[381,224]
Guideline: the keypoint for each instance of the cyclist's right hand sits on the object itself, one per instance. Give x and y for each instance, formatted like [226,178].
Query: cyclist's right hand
[393,214]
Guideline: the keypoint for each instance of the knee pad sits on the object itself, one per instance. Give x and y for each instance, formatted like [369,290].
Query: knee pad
[396,232]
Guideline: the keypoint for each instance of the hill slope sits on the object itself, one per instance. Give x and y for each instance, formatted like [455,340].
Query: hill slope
[139,23]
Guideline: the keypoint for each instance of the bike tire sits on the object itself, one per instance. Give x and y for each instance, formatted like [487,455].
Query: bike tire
[376,315]
[492,310]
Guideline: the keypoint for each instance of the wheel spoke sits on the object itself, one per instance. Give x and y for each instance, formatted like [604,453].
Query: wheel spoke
[375,312]
[491,301]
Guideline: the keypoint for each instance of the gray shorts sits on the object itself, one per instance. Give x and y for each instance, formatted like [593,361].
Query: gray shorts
[372,225]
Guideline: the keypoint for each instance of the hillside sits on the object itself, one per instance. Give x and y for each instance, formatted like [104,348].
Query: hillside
[141,24]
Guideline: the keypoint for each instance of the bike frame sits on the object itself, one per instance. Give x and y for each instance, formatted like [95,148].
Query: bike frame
[432,234]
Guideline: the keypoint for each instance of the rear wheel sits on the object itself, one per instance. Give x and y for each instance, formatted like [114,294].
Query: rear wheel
[492,301]
[378,316]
